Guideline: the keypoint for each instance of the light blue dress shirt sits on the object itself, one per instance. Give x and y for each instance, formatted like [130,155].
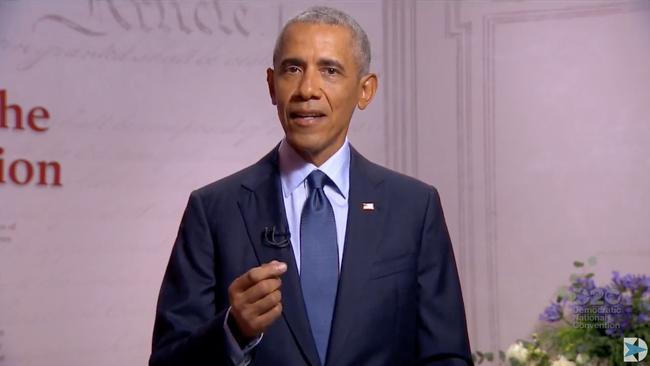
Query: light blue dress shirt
[293,173]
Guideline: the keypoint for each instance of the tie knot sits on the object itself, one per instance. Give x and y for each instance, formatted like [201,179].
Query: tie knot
[316,179]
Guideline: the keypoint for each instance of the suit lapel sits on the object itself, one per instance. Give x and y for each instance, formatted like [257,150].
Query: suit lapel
[363,235]
[261,205]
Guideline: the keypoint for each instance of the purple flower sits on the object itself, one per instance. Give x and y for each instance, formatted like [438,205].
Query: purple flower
[620,322]
[614,332]
[644,316]
[626,300]
[631,282]
[552,313]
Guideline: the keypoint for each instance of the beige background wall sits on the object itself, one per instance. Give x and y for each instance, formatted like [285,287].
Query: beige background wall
[533,121]
[529,116]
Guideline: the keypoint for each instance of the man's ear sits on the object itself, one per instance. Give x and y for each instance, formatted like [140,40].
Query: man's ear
[269,81]
[368,90]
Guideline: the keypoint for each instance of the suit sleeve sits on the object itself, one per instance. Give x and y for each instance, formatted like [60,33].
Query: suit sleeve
[188,329]
[442,330]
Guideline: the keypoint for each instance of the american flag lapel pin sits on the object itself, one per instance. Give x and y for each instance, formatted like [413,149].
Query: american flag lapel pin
[368,206]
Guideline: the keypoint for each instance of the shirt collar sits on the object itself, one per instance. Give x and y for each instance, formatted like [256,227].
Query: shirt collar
[294,169]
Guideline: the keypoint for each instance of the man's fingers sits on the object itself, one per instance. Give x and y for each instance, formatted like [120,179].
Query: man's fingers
[267,303]
[256,308]
[266,319]
[257,274]
[267,270]
[261,289]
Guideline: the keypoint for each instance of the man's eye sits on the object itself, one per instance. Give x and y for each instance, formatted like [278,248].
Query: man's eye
[292,69]
[331,71]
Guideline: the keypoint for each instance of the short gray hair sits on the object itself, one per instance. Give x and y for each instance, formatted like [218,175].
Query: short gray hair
[331,16]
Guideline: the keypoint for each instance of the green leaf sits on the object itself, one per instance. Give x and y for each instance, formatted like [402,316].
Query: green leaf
[502,356]
[578,264]
[514,362]
[479,356]
[489,356]
[572,296]
[589,275]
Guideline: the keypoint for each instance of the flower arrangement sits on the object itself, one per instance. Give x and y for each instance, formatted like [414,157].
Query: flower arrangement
[586,323]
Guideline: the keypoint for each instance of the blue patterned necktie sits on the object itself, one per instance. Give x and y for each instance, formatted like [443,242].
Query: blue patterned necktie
[319,260]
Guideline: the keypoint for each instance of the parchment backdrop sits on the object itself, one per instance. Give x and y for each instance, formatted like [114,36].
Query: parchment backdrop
[147,101]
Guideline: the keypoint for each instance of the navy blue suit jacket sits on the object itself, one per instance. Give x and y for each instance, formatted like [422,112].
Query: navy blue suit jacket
[398,302]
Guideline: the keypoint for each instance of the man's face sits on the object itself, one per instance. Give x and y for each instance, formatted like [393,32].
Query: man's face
[316,87]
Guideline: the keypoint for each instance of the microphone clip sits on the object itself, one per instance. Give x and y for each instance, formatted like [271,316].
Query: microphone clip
[276,239]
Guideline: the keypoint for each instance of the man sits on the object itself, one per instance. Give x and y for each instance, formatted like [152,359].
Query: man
[313,255]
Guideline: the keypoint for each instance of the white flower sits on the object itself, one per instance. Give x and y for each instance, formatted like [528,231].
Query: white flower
[562,361]
[518,352]
[582,359]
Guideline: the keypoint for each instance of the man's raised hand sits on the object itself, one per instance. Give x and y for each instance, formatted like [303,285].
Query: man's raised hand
[255,300]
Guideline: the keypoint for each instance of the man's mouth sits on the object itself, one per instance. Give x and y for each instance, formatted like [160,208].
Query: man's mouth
[306,117]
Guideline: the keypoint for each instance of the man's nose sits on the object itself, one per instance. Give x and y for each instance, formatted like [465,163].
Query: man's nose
[310,85]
